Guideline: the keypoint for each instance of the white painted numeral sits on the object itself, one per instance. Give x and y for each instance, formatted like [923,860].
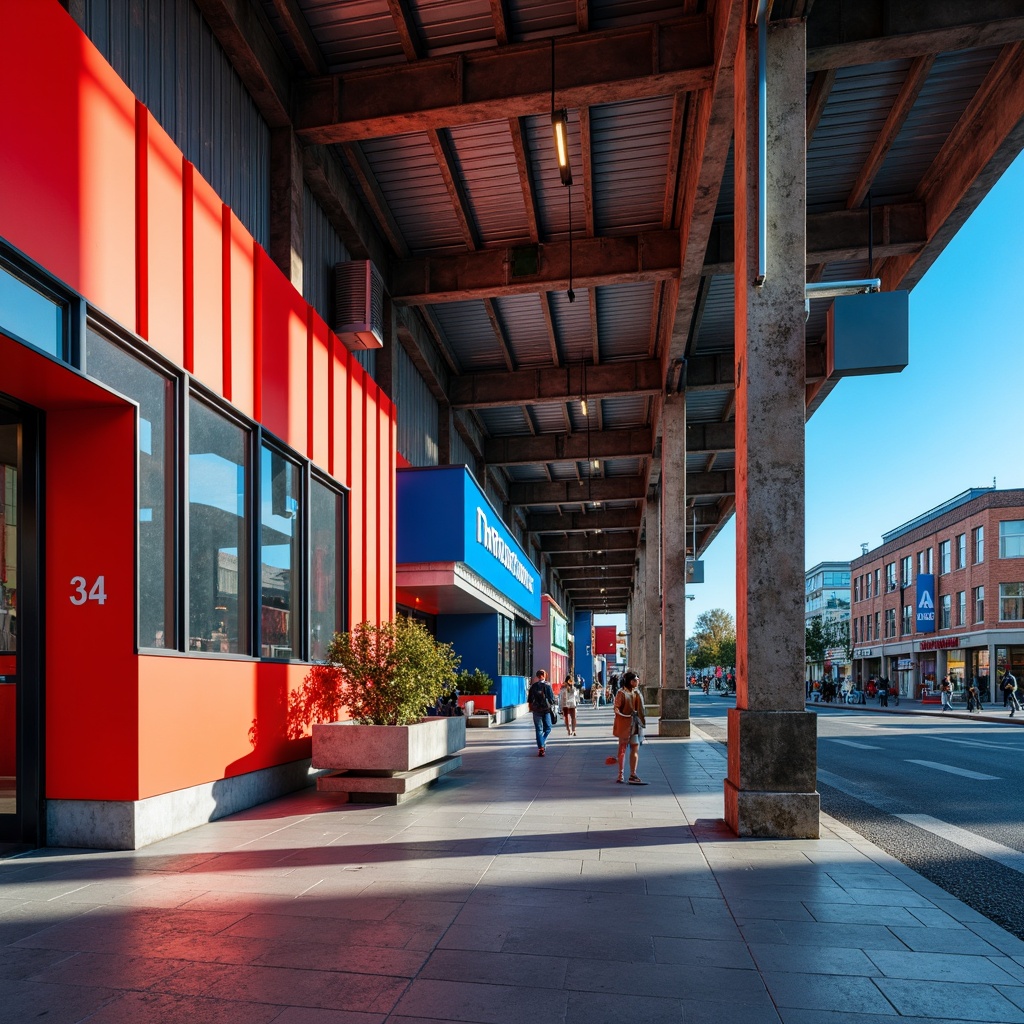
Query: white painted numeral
[83,592]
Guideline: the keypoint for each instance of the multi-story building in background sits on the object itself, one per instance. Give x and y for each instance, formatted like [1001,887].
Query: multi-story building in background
[944,595]
[827,597]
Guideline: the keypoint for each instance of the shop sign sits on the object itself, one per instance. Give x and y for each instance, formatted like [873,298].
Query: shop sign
[494,543]
[863,652]
[905,664]
[926,603]
[939,645]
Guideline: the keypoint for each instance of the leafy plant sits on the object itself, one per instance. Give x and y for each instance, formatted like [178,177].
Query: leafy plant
[390,673]
[475,683]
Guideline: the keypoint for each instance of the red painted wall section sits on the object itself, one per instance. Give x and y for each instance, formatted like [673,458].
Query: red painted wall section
[92,736]
[242,309]
[205,720]
[341,432]
[67,176]
[285,349]
[357,499]
[165,260]
[206,265]
[319,392]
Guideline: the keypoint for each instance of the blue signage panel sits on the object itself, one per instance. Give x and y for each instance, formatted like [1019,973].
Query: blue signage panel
[926,603]
[443,516]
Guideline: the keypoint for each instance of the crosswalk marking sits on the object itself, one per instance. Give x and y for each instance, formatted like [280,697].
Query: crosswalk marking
[1005,855]
[953,770]
[851,743]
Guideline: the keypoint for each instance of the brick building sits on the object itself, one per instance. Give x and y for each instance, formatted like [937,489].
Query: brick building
[944,594]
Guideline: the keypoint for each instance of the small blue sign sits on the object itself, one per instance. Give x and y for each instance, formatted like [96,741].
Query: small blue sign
[926,603]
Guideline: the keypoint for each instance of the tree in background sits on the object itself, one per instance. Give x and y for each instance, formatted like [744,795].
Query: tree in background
[714,636]
[839,636]
[817,640]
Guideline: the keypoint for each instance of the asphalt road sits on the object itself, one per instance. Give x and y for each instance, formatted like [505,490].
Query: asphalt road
[943,795]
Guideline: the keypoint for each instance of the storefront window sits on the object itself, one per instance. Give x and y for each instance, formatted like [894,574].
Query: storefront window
[154,393]
[1011,539]
[955,666]
[325,545]
[280,555]
[1011,602]
[218,483]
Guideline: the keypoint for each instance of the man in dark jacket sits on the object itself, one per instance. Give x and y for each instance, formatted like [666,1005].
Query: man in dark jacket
[541,699]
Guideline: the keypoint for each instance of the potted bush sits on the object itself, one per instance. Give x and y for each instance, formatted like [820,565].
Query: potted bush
[385,676]
[476,686]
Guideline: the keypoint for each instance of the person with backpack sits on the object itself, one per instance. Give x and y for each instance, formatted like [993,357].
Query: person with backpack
[1010,692]
[541,701]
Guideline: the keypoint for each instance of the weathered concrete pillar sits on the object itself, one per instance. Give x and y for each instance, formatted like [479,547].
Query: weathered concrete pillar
[638,631]
[650,679]
[286,198]
[675,697]
[771,785]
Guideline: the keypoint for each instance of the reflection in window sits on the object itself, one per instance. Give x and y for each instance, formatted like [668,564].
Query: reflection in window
[218,473]
[280,556]
[1011,539]
[29,315]
[325,567]
[154,393]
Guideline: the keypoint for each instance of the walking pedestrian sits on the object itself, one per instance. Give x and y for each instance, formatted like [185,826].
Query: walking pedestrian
[883,693]
[567,705]
[973,698]
[628,725]
[541,700]
[946,694]
[1010,692]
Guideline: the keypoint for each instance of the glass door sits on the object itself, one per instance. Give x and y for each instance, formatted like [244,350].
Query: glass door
[20,692]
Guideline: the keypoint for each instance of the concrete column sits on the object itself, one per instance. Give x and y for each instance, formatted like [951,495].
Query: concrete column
[286,196]
[638,632]
[650,679]
[675,697]
[770,789]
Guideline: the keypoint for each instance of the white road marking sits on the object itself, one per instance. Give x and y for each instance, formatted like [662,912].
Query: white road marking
[850,743]
[1005,855]
[976,743]
[953,770]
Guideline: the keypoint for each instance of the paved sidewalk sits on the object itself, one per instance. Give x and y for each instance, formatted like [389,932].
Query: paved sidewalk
[520,890]
[991,712]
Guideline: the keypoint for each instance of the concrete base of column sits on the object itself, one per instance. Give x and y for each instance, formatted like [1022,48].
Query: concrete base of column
[674,711]
[652,707]
[771,789]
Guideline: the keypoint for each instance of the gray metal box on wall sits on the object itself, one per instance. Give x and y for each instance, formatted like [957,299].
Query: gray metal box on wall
[868,334]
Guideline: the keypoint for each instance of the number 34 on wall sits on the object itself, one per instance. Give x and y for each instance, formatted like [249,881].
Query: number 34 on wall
[83,592]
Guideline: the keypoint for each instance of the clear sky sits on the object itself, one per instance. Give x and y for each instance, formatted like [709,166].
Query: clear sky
[883,449]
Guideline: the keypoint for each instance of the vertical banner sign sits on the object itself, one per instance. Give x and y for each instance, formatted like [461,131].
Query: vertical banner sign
[926,603]
[604,640]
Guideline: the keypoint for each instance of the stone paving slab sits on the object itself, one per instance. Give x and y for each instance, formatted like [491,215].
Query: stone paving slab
[519,890]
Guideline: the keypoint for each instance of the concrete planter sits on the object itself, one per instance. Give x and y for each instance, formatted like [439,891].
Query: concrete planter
[386,763]
[393,748]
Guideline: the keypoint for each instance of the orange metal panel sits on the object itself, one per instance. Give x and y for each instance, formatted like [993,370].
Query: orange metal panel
[340,432]
[207,285]
[282,328]
[203,719]
[164,260]
[357,511]
[374,531]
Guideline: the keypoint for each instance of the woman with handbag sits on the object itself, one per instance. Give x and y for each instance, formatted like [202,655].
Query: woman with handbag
[628,725]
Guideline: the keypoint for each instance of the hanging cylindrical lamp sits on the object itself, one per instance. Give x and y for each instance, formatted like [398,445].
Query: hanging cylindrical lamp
[560,128]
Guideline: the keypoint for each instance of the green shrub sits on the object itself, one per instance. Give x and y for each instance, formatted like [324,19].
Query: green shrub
[475,683]
[389,674]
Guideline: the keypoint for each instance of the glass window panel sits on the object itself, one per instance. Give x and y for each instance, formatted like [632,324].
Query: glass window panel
[31,316]
[280,555]
[325,545]
[218,480]
[1011,539]
[1011,602]
[154,393]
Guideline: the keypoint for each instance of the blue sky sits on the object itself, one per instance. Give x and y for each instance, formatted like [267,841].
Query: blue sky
[886,448]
